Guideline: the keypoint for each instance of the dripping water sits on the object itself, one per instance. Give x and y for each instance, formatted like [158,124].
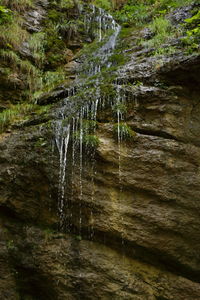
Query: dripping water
[62,142]
[72,132]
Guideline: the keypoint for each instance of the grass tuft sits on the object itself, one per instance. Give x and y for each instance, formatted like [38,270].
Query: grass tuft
[18,5]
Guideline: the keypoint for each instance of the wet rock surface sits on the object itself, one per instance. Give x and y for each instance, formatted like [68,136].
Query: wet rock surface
[142,239]
[138,204]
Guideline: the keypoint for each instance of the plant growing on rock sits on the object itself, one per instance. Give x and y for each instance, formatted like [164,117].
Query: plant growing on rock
[89,126]
[108,90]
[37,43]
[105,4]
[117,59]
[18,5]
[51,78]
[67,4]
[12,34]
[18,113]
[119,108]
[133,13]
[91,141]
[162,31]
[124,131]
[192,38]
[5,15]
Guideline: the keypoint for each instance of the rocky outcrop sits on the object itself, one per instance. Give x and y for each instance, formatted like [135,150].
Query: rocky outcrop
[139,235]
[35,16]
[130,223]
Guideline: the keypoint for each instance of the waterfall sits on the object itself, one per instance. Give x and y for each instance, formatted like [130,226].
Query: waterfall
[74,132]
[62,141]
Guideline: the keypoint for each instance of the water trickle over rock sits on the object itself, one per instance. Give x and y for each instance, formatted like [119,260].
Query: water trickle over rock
[73,127]
[122,182]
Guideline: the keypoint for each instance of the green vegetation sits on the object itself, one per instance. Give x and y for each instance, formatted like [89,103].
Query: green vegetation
[117,59]
[162,31]
[89,126]
[48,232]
[91,141]
[66,4]
[43,69]
[192,39]
[133,13]
[5,15]
[126,133]
[23,66]
[52,78]
[37,46]
[139,12]
[18,113]
[12,34]
[18,5]
[119,107]
[105,4]
[40,143]
[10,245]
[78,237]
[107,90]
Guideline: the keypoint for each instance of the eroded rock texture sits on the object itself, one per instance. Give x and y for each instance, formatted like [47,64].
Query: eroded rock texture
[131,224]
[139,236]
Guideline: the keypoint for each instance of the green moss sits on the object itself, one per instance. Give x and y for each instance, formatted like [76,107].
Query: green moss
[126,133]
[89,126]
[67,4]
[165,51]
[18,113]
[18,5]
[12,34]
[54,46]
[13,114]
[90,48]
[126,32]
[192,38]
[25,67]
[54,15]
[162,31]
[137,13]
[133,13]
[5,15]
[37,43]
[40,110]
[11,245]
[105,4]
[119,107]
[40,143]
[107,90]
[91,141]
[65,122]
[117,59]
[48,233]
[108,76]
[78,237]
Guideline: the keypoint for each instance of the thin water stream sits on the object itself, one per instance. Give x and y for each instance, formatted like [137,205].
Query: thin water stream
[73,131]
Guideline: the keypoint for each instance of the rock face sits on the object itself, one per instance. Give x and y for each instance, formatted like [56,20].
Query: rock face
[131,220]
[34,17]
[139,237]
